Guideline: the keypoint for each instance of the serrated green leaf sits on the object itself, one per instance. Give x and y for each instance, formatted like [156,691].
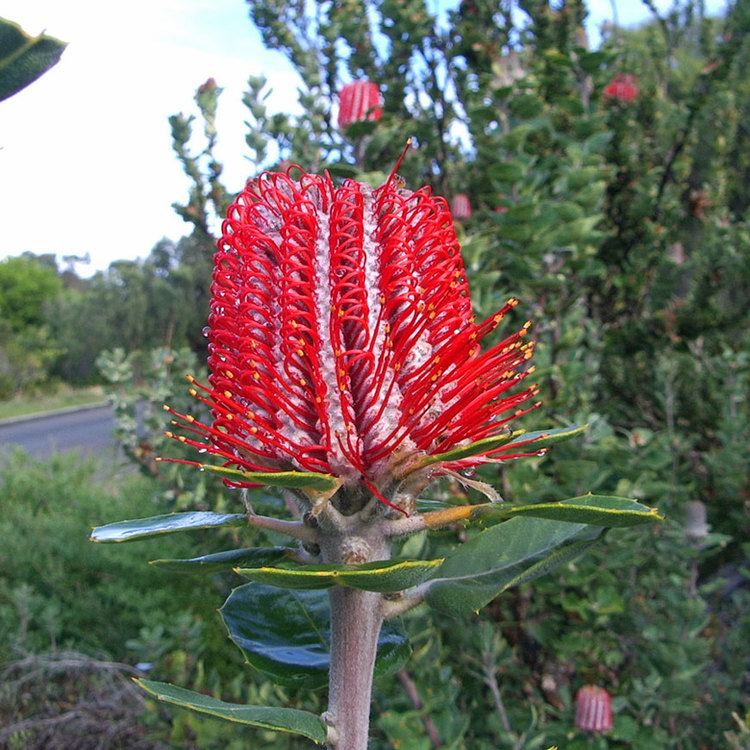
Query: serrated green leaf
[142,528]
[523,548]
[289,720]
[496,559]
[286,635]
[228,560]
[24,58]
[386,576]
[596,510]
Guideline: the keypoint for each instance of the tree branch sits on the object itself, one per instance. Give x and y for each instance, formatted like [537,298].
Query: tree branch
[422,521]
[410,687]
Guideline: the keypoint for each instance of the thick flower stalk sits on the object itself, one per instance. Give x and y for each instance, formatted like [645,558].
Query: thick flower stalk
[342,341]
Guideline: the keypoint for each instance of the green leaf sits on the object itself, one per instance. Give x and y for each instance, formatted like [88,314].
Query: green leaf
[305,480]
[286,635]
[480,446]
[501,557]
[542,438]
[343,169]
[276,719]
[385,576]
[227,560]
[596,510]
[24,58]
[142,528]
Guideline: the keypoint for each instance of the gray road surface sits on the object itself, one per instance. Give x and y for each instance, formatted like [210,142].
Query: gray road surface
[88,431]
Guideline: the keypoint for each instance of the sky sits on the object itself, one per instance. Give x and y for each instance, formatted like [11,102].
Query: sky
[86,164]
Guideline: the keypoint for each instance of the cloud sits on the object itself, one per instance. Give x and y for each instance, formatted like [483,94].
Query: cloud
[86,159]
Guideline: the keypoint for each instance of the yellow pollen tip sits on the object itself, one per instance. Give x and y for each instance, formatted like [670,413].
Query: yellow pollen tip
[432,316]
[227,394]
[190,418]
[528,355]
[165,407]
[229,374]
[190,378]
[531,370]
[253,429]
[527,325]
[256,376]
[158,458]
[229,417]
[294,324]
[512,302]
[250,414]
[169,434]
[300,353]
[302,382]
[192,392]
[381,299]
[182,438]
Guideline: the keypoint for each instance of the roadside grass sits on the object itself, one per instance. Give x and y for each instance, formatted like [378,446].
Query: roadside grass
[64,396]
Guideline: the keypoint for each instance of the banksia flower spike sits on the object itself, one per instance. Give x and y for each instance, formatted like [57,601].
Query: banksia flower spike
[359,101]
[343,347]
[593,709]
[623,88]
[461,206]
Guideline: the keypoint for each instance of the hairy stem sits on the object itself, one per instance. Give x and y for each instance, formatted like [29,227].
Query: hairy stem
[356,617]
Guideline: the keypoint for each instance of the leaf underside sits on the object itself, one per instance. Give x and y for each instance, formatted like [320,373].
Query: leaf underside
[142,528]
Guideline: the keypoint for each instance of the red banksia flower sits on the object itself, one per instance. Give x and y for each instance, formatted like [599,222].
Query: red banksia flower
[342,341]
[623,87]
[461,206]
[593,709]
[359,101]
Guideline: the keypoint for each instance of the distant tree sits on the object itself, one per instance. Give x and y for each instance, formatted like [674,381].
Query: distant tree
[25,286]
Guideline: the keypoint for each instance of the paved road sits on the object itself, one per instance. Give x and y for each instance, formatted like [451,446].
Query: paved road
[88,431]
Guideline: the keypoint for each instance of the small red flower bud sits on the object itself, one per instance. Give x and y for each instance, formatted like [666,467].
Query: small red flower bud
[461,206]
[623,88]
[359,101]
[593,709]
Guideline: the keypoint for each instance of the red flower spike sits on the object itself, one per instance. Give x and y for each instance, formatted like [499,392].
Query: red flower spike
[461,206]
[593,709]
[342,339]
[359,101]
[623,88]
